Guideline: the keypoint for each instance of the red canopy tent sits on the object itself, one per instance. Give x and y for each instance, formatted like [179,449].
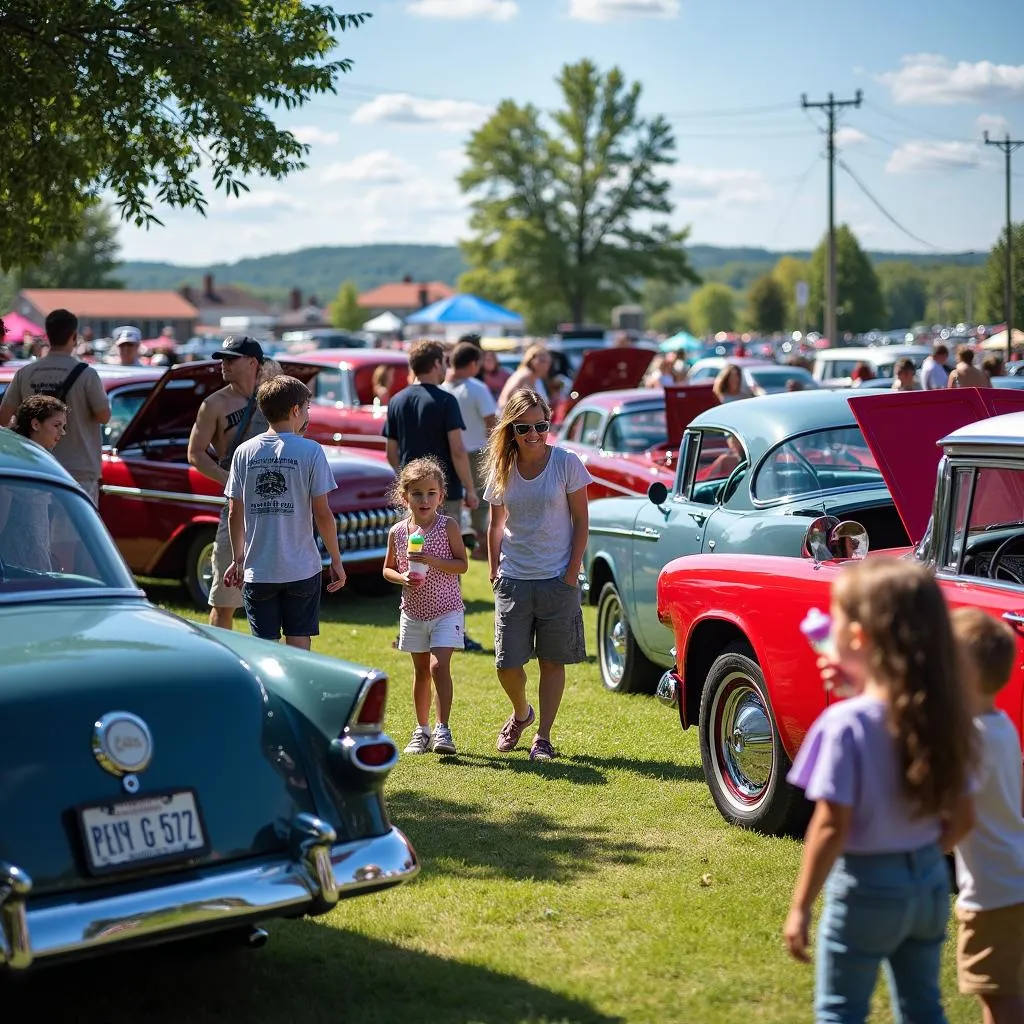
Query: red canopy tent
[18,325]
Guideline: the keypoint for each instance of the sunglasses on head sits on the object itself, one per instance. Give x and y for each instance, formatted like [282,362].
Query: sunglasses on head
[522,429]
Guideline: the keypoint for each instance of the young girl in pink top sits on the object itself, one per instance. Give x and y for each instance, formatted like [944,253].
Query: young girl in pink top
[888,771]
[432,620]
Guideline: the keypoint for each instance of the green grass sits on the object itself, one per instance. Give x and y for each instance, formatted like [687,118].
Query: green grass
[601,887]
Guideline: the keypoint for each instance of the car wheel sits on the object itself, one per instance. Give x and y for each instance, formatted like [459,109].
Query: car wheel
[624,667]
[744,762]
[199,567]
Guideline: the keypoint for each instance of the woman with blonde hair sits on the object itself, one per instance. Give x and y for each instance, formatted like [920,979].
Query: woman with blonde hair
[537,533]
[728,386]
[531,373]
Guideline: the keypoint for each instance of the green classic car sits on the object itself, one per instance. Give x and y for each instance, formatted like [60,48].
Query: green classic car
[161,779]
[751,476]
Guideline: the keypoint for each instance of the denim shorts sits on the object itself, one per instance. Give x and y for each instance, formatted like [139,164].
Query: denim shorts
[541,617]
[291,608]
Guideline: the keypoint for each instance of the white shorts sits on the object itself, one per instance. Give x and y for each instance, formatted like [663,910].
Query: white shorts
[418,636]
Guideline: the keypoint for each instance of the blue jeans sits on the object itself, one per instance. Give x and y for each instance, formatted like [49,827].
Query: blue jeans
[883,908]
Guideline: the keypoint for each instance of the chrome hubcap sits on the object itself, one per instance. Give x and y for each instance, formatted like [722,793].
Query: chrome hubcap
[613,634]
[205,569]
[743,740]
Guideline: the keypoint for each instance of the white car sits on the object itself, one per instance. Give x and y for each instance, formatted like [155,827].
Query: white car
[833,367]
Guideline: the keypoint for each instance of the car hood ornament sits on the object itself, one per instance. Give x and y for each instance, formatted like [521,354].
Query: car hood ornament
[122,743]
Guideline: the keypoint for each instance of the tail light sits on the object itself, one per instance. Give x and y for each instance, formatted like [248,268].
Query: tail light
[368,714]
[363,753]
[375,755]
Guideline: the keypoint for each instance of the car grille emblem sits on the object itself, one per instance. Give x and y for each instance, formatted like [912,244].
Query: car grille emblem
[122,743]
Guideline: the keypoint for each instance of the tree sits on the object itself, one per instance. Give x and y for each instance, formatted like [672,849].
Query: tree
[88,259]
[671,319]
[766,305]
[859,296]
[657,295]
[713,308]
[905,291]
[345,311]
[993,301]
[789,271]
[567,216]
[138,99]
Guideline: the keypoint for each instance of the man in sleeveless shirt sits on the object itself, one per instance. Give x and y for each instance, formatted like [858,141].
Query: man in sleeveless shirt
[226,419]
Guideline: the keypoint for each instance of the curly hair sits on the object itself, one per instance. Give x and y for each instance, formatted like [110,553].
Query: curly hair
[425,468]
[38,407]
[903,614]
[501,448]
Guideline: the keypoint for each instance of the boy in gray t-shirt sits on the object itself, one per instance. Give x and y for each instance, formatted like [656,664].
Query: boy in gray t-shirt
[277,487]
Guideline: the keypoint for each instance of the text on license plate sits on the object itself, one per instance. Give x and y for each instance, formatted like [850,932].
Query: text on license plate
[146,828]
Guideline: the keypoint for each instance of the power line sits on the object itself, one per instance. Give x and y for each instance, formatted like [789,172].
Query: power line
[896,119]
[801,181]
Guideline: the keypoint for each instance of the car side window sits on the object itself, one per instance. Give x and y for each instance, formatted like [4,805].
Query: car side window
[124,404]
[575,428]
[590,429]
[717,459]
[327,388]
[961,490]
[987,536]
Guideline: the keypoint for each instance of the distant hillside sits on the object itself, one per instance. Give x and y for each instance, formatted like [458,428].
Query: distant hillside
[320,271]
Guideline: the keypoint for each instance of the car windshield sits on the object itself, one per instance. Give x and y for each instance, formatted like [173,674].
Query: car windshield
[823,460]
[636,431]
[52,539]
[775,378]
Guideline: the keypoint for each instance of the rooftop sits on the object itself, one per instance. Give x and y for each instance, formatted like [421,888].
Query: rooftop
[405,295]
[112,303]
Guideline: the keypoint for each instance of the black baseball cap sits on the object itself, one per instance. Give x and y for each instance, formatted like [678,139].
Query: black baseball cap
[241,346]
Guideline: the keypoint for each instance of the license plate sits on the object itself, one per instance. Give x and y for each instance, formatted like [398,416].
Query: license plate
[142,830]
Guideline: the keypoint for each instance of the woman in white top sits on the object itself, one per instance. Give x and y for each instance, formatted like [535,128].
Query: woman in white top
[531,373]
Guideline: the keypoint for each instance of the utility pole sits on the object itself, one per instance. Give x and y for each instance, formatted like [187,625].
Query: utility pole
[1008,146]
[831,106]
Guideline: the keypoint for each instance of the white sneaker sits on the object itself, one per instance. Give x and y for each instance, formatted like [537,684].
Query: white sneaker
[441,742]
[420,742]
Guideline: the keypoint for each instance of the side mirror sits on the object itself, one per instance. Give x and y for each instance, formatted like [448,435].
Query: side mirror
[657,493]
[817,537]
[849,540]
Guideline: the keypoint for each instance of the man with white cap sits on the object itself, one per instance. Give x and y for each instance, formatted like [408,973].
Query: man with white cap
[226,419]
[127,340]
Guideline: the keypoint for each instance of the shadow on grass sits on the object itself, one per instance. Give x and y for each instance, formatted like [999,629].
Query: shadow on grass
[586,769]
[667,771]
[453,837]
[308,971]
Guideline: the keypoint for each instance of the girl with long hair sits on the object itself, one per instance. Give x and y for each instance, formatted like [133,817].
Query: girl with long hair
[537,533]
[888,771]
[728,385]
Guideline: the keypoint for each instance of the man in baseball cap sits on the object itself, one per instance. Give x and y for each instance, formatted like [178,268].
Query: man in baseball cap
[127,339]
[240,347]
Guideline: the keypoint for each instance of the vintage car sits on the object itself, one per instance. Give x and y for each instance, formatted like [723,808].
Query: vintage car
[191,779]
[628,439]
[749,478]
[743,673]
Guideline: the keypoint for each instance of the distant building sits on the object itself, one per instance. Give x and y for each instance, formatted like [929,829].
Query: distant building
[403,297]
[215,301]
[301,316]
[103,309]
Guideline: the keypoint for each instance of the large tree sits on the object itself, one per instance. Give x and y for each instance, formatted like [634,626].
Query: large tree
[345,311]
[572,214]
[859,296]
[993,301]
[766,305]
[905,290]
[789,272]
[137,99]
[713,308]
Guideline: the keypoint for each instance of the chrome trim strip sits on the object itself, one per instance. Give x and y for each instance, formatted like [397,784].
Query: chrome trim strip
[150,495]
[219,898]
[613,531]
[78,594]
[356,556]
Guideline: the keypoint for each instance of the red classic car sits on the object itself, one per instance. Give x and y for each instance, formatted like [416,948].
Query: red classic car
[163,513]
[744,674]
[629,439]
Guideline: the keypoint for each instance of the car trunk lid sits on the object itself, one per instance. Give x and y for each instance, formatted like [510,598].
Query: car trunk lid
[682,403]
[608,369]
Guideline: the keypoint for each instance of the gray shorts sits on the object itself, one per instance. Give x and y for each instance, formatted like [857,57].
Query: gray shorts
[537,617]
[221,596]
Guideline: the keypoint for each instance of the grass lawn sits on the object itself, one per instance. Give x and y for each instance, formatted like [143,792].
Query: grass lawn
[600,887]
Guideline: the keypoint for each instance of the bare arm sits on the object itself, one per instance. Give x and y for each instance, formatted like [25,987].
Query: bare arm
[327,527]
[495,533]
[391,573]
[199,440]
[579,509]
[8,406]
[460,458]
[393,454]
[456,565]
[958,824]
[236,529]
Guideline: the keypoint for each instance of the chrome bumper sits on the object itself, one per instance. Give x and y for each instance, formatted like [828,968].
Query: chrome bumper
[320,873]
[668,689]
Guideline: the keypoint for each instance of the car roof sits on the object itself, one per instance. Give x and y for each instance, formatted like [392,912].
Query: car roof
[874,354]
[1005,429]
[768,420]
[21,457]
[607,400]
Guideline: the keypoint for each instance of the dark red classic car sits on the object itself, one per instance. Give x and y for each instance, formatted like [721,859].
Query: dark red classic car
[744,674]
[163,513]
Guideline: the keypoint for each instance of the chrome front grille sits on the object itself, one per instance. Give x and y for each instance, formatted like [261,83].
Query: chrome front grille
[364,531]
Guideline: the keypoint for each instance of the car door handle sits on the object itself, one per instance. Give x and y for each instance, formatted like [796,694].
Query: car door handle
[1015,617]
[650,531]
[697,517]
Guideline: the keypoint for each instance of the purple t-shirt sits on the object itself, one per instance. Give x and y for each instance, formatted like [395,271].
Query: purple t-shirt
[848,757]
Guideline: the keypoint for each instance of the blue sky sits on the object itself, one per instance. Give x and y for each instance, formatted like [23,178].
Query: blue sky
[728,74]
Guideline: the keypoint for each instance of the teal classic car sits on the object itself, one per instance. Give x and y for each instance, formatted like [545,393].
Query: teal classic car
[751,476]
[161,779]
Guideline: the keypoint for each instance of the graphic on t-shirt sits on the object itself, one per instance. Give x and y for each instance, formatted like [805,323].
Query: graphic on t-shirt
[270,483]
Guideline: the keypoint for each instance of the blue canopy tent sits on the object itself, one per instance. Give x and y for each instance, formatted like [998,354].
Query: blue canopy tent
[465,309]
[683,340]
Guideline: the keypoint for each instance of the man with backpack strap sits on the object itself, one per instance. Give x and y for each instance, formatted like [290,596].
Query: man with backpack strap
[61,374]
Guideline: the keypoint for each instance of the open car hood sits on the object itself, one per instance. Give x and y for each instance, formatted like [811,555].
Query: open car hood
[903,429]
[682,403]
[609,369]
[173,404]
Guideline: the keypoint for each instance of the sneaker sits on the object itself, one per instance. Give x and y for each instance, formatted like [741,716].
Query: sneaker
[542,750]
[441,742]
[469,644]
[512,730]
[420,742]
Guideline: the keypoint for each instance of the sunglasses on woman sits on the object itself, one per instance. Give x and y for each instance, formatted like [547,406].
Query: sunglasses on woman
[522,429]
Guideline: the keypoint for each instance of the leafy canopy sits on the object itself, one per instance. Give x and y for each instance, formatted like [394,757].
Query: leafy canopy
[712,309]
[136,98]
[564,219]
[766,305]
[993,285]
[859,295]
[345,311]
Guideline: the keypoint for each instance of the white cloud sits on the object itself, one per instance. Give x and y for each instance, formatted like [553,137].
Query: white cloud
[260,200]
[610,10]
[496,10]
[928,157]
[722,186]
[311,134]
[847,136]
[378,166]
[994,124]
[401,108]
[928,78]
